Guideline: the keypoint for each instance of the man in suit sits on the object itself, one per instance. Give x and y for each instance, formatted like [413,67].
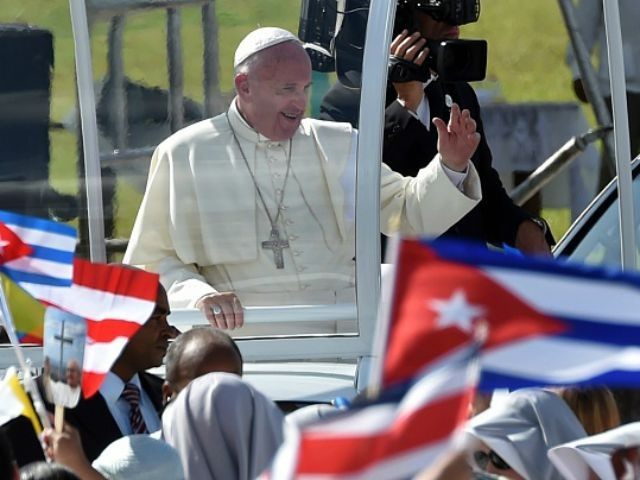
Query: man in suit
[410,140]
[106,416]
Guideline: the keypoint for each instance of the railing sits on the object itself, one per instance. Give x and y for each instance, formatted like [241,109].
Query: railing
[557,162]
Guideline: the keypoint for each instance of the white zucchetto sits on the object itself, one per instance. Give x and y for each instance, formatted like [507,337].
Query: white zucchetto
[259,40]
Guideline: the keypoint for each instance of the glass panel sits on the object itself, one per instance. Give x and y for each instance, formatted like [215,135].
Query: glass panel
[215,185]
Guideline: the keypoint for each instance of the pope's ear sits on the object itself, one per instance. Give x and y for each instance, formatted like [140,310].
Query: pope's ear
[241,82]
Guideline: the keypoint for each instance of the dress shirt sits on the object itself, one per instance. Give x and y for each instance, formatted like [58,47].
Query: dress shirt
[111,390]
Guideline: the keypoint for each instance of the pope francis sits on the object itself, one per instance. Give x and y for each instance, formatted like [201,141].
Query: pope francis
[256,205]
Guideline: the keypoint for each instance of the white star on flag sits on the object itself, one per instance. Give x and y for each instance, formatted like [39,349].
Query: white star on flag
[456,311]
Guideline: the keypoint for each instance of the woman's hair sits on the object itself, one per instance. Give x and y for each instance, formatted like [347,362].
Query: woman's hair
[595,407]
[46,471]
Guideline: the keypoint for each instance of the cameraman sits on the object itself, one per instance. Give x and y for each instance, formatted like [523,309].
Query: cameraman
[411,140]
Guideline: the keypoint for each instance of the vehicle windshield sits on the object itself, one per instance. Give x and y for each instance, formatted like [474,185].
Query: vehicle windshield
[598,240]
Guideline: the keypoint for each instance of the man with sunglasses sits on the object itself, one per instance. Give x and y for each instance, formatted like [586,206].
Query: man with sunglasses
[410,139]
[409,135]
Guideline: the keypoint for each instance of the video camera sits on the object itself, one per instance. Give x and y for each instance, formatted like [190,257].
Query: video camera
[333,32]
[452,60]
[453,12]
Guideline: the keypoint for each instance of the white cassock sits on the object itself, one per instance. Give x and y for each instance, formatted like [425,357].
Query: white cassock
[201,223]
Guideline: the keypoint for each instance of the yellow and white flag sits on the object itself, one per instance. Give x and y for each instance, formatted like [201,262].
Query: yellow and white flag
[14,401]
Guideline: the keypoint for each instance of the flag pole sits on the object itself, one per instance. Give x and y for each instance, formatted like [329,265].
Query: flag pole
[29,383]
[383,323]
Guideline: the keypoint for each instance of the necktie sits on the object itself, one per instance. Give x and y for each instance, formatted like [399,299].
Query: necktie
[131,394]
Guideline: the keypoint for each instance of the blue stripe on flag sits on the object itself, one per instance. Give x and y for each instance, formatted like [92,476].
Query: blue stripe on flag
[477,255]
[20,276]
[618,334]
[490,380]
[37,223]
[53,254]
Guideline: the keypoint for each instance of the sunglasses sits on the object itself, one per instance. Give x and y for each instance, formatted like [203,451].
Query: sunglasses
[483,458]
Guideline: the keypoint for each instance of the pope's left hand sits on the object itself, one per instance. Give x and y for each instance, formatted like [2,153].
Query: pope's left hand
[530,239]
[457,140]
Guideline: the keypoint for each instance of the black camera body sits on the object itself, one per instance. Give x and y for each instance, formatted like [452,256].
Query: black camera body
[452,60]
[317,30]
[453,12]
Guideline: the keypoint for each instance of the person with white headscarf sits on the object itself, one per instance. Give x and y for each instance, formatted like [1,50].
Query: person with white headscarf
[223,428]
[513,436]
[139,457]
[610,455]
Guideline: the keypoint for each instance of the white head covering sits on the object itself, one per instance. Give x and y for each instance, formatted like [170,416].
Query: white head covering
[523,426]
[139,457]
[223,428]
[259,40]
[574,459]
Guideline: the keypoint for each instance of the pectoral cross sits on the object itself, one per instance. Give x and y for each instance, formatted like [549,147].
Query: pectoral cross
[62,340]
[276,244]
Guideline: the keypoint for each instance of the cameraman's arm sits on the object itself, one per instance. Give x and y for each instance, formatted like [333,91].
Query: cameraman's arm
[403,151]
[410,48]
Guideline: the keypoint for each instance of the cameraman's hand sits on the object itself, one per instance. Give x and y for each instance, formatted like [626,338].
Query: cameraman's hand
[458,140]
[410,48]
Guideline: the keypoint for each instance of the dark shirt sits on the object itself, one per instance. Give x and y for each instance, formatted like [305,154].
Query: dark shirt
[409,146]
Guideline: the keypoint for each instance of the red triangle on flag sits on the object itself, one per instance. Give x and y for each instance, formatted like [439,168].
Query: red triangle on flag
[11,247]
[438,306]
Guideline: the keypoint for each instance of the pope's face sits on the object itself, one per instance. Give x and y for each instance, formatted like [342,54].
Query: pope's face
[73,374]
[273,94]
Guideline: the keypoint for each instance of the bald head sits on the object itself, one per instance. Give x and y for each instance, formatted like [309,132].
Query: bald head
[197,352]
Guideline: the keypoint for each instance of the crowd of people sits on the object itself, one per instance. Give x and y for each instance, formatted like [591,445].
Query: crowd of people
[232,216]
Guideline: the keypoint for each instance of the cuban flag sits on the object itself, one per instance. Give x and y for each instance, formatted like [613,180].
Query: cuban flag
[394,437]
[36,252]
[37,255]
[36,258]
[547,322]
[528,321]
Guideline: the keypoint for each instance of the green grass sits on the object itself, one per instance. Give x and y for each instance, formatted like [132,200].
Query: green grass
[527,41]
